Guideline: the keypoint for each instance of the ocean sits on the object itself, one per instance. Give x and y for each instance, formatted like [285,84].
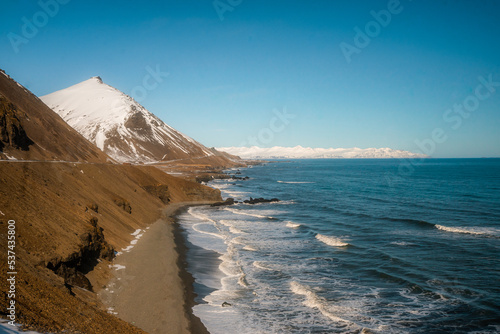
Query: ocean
[354,246]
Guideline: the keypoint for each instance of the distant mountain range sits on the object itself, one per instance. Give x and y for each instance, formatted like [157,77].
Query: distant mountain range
[299,152]
[120,126]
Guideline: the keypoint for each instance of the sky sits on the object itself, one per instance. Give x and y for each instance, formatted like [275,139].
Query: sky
[418,75]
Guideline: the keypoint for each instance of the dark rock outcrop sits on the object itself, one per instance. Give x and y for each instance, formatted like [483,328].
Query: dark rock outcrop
[160,191]
[124,204]
[260,200]
[74,267]
[229,201]
[11,130]
[92,206]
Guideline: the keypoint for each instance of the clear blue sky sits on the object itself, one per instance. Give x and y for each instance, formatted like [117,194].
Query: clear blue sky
[226,77]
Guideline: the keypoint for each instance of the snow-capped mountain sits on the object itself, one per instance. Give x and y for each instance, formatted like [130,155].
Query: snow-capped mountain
[120,126]
[299,152]
[29,130]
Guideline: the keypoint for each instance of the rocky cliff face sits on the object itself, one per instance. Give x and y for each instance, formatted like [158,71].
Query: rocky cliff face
[12,132]
[75,266]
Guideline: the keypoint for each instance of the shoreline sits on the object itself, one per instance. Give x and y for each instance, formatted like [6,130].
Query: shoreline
[151,287]
[196,325]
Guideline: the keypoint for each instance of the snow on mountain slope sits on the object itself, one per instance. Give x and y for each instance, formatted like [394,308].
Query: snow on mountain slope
[120,126]
[299,152]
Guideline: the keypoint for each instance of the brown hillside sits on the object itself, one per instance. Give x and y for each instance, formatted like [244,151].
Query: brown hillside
[70,218]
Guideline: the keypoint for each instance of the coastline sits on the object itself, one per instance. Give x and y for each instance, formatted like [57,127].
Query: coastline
[151,287]
[196,325]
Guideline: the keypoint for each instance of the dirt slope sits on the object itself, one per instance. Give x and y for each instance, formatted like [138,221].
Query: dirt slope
[70,218]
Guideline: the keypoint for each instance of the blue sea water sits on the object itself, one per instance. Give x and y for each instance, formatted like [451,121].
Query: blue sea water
[354,246]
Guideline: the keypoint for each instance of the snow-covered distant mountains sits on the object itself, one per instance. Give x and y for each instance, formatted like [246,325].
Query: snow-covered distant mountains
[120,126]
[299,152]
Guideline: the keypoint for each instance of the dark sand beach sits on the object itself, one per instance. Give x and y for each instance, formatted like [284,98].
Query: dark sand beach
[150,288]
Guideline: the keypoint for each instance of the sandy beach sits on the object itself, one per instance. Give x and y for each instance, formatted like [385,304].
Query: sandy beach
[150,289]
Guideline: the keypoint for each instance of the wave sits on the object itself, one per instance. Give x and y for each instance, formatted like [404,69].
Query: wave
[235,230]
[229,267]
[470,230]
[243,280]
[197,229]
[292,224]
[295,182]
[199,215]
[490,232]
[331,241]
[264,266]
[245,213]
[317,302]
[402,243]
[285,202]
[237,241]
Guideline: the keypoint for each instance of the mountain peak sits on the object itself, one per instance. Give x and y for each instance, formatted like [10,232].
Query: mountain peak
[119,125]
[97,79]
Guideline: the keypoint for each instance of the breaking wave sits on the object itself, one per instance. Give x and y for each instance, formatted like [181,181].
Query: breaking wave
[317,302]
[469,230]
[331,241]
[292,224]
[295,182]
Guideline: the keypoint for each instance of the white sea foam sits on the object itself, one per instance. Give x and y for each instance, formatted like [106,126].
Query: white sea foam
[292,224]
[245,213]
[317,302]
[331,241]
[284,202]
[197,228]
[231,223]
[263,265]
[243,280]
[250,248]
[295,182]
[470,230]
[237,241]
[401,243]
[198,215]
[235,230]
